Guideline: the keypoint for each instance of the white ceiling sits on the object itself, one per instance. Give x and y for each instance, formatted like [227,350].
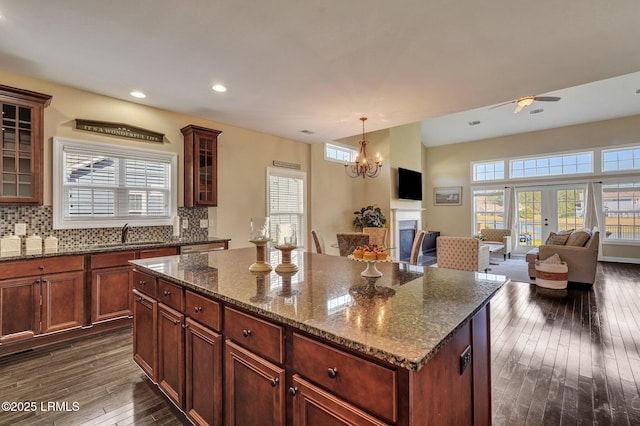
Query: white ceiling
[319,65]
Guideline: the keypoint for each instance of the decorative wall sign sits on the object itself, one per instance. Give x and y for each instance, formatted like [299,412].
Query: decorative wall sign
[284,164]
[119,130]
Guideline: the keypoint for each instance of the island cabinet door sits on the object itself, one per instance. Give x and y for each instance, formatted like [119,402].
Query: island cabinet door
[171,353]
[62,301]
[254,389]
[313,406]
[145,333]
[203,403]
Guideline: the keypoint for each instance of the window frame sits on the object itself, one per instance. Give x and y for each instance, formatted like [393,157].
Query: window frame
[302,241]
[121,151]
[352,151]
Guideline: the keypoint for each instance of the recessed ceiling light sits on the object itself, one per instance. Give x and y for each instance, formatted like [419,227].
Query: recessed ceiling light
[219,88]
[138,94]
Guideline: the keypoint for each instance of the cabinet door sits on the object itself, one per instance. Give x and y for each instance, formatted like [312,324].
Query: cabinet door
[145,333]
[203,370]
[171,353]
[313,406]
[22,141]
[62,301]
[254,388]
[111,293]
[200,166]
[19,309]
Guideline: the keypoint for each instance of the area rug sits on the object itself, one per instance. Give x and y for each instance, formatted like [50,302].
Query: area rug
[515,268]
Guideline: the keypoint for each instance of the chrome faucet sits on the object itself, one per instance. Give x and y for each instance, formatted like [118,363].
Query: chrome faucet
[125,231]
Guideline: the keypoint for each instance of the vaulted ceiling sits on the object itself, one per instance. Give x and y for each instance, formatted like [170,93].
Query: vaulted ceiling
[319,65]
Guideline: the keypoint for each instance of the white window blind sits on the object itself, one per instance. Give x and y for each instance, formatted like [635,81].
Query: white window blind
[286,200]
[98,185]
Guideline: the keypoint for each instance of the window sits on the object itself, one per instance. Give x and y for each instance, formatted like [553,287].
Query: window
[488,209]
[100,185]
[286,200]
[621,211]
[488,171]
[621,159]
[566,164]
[339,153]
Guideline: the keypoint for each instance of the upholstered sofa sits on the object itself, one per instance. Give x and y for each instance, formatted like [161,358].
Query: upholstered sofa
[581,259]
[498,236]
[464,253]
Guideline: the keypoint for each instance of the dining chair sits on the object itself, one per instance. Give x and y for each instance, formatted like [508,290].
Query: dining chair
[318,241]
[348,241]
[377,236]
[416,247]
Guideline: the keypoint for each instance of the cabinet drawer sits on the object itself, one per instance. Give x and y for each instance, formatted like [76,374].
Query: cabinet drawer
[364,383]
[45,265]
[158,252]
[260,336]
[108,260]
[145,284]
[203,310]
[171,295]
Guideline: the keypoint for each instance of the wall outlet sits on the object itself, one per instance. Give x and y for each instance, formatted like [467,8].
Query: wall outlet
[185,223]
[20,229]
[204,223]
[465,359]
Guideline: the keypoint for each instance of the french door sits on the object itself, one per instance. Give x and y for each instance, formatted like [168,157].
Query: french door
[546,209]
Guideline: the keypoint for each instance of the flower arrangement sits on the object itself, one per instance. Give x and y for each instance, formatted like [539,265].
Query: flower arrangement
[480,237]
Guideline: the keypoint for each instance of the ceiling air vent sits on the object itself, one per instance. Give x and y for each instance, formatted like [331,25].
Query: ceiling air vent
[474,123]
[536,111]
[637,91]
[307,132]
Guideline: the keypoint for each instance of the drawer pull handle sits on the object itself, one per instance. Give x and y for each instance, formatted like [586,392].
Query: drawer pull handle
[332,373]
[274,382]
[167,293]
[198,309]
[293,391]
[176,322]
[142,282]
[246,333]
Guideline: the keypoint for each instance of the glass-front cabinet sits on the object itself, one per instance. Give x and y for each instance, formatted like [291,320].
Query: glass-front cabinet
[200,166]
[21,145]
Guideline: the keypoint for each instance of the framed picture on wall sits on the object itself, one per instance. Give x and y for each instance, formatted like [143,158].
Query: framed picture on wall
[449,196]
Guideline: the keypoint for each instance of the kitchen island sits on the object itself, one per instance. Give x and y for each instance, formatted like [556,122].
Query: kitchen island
[315,346]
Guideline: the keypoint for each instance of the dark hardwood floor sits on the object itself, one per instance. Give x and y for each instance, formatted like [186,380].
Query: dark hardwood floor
[559,357]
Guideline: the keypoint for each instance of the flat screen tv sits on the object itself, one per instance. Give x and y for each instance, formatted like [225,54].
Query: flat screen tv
[409,184]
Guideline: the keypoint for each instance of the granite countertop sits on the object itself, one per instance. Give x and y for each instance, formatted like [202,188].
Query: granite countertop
[405,328]
[108,247]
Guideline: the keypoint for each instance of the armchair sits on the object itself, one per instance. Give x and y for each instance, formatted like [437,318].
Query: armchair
[499,236]
[463,253]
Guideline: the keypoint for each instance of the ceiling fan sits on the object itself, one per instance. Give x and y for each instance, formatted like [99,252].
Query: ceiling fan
[526,101]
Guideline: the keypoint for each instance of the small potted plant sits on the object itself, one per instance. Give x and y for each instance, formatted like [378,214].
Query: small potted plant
[369,217]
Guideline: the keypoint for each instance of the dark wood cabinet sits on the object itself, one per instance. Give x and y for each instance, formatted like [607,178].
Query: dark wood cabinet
[19,310]
[111,286]
[145,333]
[171,353]
[200,166]
[62,301]
[21,145]
[313,406]
[254,388]
[203,370]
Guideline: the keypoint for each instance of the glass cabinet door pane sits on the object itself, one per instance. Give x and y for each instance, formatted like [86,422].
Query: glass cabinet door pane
[24,141]
[8,162]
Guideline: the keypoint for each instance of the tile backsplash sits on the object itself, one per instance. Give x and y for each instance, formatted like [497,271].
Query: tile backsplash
[39,220]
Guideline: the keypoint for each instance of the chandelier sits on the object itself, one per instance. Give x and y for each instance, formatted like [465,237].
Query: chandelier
[363,166]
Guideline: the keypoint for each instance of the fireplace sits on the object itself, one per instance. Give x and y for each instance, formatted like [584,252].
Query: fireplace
[407,231]
[405,224]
